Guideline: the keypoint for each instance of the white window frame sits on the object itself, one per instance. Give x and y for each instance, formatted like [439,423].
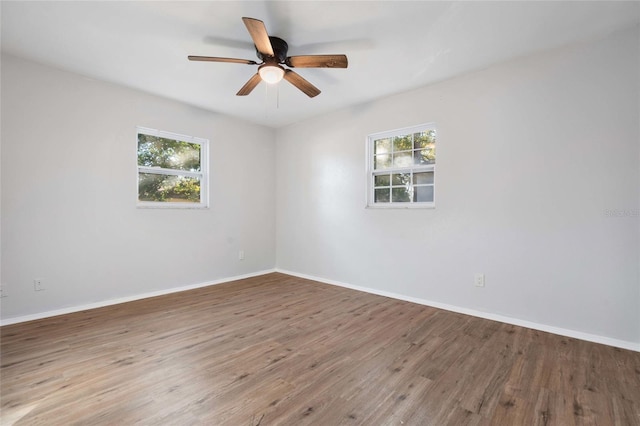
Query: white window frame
[203,174]
[372,172]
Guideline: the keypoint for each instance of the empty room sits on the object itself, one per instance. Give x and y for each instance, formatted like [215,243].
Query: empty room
[320,213]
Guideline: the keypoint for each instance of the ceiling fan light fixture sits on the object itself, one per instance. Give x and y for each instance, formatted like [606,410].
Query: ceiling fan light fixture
[271,74]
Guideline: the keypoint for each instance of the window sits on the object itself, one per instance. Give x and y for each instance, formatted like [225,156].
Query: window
[401,167]
[172,170]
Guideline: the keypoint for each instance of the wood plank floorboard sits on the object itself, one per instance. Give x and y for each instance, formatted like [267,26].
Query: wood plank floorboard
[281,350]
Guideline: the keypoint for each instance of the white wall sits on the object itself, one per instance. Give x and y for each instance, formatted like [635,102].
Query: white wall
[531,154]
[69,211]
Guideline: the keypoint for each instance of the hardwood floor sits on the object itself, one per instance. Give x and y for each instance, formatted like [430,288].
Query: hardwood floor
[279,350]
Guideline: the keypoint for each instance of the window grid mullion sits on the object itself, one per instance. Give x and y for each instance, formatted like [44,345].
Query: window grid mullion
[172,172]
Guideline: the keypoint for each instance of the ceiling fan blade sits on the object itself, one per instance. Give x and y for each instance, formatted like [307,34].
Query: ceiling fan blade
[249,85]
[318,61]
[302,84]
[258,33]
[215,59]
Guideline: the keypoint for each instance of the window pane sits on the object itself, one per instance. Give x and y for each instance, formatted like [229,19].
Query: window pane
[402,159]
[382,180]
[401,195]
[382,161]
[382,146]
[402,143]
[423,194]
[401,167]
[401,178]
[168,188]
[168,153]
[425,156]
[381,195]
[423,178]
[424,139]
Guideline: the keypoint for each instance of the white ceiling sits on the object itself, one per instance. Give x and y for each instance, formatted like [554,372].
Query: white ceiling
[392,46]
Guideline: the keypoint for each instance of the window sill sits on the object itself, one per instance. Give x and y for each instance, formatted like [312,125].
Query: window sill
[401,206]
[174,206]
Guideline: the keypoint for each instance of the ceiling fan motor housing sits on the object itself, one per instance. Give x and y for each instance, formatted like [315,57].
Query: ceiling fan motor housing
[280,48]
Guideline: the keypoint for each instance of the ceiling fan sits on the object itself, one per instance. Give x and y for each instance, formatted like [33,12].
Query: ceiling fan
[272,51]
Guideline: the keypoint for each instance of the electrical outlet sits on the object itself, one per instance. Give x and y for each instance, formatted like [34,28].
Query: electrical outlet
[479,280]
[241,255]
[38,285]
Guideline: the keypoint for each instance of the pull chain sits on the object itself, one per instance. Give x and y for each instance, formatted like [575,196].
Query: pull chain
[266,98]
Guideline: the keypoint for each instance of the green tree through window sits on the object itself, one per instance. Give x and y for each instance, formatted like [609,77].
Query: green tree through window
[170,170]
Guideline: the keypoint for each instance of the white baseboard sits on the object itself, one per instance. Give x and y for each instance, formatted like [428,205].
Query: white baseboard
[494,317]
[56,312]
